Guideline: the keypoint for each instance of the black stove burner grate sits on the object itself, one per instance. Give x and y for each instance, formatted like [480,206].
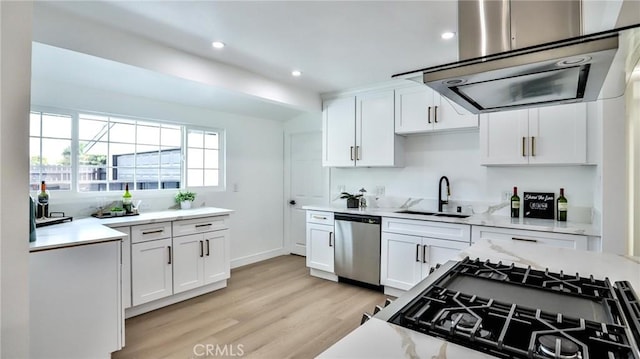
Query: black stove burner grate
[508,330]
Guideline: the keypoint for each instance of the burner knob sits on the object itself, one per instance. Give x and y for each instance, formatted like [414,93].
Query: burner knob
[387,302]
[365,316]
[377,309]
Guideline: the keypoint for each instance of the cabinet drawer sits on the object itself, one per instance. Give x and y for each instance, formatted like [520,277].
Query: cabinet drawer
[430,229]
[534,237]
[150,232]
[200,225]
[320,217]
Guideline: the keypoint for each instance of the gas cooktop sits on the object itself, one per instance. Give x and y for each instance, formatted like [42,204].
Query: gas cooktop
[515,312]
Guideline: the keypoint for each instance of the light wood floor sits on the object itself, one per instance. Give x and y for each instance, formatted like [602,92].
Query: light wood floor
[273,309]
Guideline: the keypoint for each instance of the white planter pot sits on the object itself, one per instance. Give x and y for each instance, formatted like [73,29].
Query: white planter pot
[185,204]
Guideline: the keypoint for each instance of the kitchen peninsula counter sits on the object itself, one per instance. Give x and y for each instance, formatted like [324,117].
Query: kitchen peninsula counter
[531,224]
[94,230]
[380,339]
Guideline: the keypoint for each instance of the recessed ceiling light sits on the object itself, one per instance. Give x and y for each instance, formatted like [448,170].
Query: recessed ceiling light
[217,44]
[448,35]
[296,73]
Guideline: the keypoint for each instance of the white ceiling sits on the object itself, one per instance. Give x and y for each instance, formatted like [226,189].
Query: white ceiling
[336,44]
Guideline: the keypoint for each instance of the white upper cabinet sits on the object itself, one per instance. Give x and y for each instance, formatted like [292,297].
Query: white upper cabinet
[543,136]
[359,131]
[419,109]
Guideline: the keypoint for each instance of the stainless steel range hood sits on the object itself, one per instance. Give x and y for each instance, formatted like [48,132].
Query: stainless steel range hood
[555,72]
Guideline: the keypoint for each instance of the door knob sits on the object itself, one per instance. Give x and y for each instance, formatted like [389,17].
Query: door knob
[292,202]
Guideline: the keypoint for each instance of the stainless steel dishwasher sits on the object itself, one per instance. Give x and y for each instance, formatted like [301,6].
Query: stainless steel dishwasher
[357,248]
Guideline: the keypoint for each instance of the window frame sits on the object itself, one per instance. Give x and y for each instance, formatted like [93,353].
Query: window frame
[75,143]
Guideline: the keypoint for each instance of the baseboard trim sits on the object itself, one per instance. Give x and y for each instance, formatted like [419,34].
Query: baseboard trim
[322,274]
[258,257]
[163,302]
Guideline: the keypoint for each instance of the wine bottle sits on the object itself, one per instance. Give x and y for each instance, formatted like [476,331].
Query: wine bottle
[126,199]
[562,207]
[43,201]
[515,204]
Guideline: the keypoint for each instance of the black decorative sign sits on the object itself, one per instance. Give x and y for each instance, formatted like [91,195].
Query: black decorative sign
[539,205]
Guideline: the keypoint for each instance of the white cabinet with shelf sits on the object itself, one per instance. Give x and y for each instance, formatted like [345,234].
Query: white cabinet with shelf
[320,241]
[419,109]
[542,136]
[359,131]
[410,248]
[498,235]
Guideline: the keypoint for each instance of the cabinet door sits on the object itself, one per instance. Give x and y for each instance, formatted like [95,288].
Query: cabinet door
[558,134]
[438,251]
[401,265]
[320,253]
[339,132]
[375,136]
[448,116]
[414,106]
[188,262]
[504,138]
[216,256]
[151,270]
[126,266]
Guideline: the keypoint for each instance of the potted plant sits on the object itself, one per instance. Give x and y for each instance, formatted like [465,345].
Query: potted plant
[117,211]
[353,200]
[185,199]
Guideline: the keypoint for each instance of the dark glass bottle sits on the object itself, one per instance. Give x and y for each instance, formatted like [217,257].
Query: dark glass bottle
[515,204]
[43,201]
[562,207]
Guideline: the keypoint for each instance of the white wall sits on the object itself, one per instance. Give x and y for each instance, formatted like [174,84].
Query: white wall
[457,156]
[15,71]
[254,164]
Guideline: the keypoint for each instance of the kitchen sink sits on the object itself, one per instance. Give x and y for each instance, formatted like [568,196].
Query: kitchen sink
[439,214]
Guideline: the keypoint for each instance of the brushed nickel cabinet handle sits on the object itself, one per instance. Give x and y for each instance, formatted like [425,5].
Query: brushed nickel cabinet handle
[424,253]
[435,114]
[429,114]
[153,232]
[351,152]
[318,217]
[201,249]
[524,144]
[207,247]
[204,225]
[357,153]
[330,235]
[418,253]
[533,146]
[524,239]
[169,248]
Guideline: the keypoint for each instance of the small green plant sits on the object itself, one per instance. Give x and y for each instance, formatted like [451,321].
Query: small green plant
[117,209]
[185,196]
[347,195]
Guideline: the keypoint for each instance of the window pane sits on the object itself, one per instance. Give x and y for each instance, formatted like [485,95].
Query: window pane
[34,124]
[121,132]
[194,178]
[211,140]
[56,152]
[56,126]
[93,153]
[195,158]
[210,177]
[211,159]
[195,139]
[147,156]
[170,157]
[171,137]
[148,135]
[93,130]
[122,155]
[119,174]
[34,151]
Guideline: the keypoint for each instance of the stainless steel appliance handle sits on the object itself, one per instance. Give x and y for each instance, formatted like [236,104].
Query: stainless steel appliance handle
[424,253]
[429,114]
[201,249]
[418,253]
[524,239]
[207,247]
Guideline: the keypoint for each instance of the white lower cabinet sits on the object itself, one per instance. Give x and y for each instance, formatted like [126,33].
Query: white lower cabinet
[320,253]
[151,270]
[498,235]
[410,248]
[199,259]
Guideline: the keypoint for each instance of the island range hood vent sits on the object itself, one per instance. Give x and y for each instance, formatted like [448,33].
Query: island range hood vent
[519,54]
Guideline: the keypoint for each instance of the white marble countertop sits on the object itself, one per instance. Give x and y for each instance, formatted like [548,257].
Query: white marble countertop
[532,224]
[93,230]
[379,339]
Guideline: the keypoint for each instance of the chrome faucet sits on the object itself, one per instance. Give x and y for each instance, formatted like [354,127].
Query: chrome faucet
[440,201]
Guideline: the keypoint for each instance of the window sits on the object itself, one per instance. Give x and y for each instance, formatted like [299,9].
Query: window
[88,152]
[50,151]
[203,158]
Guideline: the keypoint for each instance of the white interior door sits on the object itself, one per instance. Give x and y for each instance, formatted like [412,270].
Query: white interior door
[308,184]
